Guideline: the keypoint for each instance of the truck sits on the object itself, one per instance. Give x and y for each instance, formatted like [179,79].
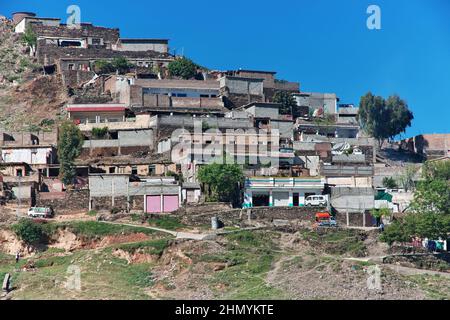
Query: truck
[37,212]
[325,219]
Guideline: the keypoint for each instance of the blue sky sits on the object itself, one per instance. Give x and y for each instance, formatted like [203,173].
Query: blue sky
[323,44]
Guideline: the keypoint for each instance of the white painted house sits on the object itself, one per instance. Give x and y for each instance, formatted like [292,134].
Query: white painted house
[280,192]
[32,155]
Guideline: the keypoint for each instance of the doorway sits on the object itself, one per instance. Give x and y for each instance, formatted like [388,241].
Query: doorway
[296,200]
[261,200]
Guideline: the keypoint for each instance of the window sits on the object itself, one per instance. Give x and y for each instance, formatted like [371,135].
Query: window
[152,170]
[112,170]
[134,170]
[71,66]
[19,173]
[96,41]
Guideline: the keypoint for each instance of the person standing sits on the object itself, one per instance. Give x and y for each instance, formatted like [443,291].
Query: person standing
[17,256]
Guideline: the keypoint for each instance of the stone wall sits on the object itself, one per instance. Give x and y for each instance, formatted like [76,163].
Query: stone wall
[120,203]
[200,215]
[49,54]
[65,203]
[73,78]
[267,214]
[233,101]
[108,35]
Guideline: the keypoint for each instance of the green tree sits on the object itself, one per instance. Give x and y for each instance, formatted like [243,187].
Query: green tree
[406,180]
[432,196]
[183,68]
[222,179]
[29,231]
[103,67]
[439,170]
[390,183]
[29,38]
[287,101]
[70,142]
[430,225]
[384,119]
[121,65]
[430,215]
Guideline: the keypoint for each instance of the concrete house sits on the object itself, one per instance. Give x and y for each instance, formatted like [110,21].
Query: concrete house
[120,191]
[157,45]
[328,102]
[280,192]
[96,113]
[38,157]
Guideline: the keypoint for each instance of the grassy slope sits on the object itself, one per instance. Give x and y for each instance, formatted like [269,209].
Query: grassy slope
[249,256]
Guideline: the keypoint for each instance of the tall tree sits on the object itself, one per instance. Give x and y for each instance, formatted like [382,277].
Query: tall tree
[384,119]
[70,142]
[222,179]
[287,101]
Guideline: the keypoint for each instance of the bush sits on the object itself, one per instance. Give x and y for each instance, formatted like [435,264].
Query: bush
[103,67]
[167,222]
[390,183]
[99,133]
[183,68]
[92,213]
[29,231]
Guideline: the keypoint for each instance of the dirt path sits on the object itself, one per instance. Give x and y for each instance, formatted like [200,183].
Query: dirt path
[178,235]
[407,271]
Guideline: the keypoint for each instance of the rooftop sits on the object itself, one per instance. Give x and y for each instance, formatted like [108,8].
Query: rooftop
[143,40]
[95,107]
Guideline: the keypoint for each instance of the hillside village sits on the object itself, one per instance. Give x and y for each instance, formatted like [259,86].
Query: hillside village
[139,118]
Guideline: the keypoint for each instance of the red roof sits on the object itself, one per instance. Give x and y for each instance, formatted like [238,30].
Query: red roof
[95,109]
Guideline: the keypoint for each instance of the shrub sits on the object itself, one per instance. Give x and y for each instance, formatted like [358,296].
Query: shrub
[29,231]
[92,213]
[390,183]
[99,133]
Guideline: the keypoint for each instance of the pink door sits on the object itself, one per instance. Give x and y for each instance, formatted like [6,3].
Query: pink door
[153,204]
[170,203]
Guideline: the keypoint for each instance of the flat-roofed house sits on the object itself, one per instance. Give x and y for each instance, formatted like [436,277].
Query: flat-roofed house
[280,192]
[96,113]
[158,45]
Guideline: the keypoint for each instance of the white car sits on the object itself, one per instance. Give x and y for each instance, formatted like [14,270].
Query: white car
[316,201]
[40,212]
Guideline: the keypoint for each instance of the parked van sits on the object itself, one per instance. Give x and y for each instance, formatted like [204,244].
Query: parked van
[40,212]
[316,201]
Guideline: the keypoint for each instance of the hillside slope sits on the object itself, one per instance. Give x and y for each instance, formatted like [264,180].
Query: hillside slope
[29,100]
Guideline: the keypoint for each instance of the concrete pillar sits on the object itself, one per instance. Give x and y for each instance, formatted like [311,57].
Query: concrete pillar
[271,204]
[348,218]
